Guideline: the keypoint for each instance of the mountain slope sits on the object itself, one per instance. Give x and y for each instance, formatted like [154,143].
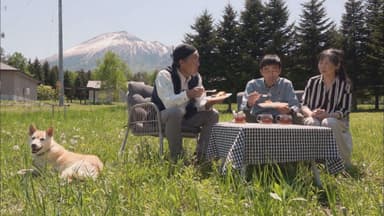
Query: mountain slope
[138,54]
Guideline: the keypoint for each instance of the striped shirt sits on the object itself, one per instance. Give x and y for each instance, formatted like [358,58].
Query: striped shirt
[337,99]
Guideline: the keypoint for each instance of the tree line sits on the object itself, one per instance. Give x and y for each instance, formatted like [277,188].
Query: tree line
[231,49]
[110,69]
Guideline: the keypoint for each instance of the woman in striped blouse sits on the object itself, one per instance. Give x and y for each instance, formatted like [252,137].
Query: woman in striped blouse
[327,100]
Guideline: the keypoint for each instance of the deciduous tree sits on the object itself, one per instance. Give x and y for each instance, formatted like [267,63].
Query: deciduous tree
[17,60]
[113,72]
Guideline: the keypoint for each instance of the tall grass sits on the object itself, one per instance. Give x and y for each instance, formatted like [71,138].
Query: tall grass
[142,183]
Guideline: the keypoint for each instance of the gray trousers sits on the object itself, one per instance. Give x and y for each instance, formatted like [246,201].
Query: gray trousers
[341,132]
[173,119]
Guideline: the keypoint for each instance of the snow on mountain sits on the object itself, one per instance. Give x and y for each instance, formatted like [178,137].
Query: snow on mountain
[138,54]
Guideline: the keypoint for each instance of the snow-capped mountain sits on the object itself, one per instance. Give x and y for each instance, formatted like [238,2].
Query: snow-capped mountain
[138,54]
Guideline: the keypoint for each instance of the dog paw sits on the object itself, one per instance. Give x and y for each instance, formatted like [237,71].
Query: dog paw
[25,171]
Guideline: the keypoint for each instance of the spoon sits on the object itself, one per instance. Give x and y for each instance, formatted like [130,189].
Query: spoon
[210,91]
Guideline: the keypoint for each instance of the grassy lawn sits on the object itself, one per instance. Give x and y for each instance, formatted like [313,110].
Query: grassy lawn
[142,183]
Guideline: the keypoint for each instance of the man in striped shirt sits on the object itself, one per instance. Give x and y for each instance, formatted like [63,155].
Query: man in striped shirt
[327,100]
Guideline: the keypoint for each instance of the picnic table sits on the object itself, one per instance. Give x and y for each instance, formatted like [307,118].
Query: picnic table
[242,144]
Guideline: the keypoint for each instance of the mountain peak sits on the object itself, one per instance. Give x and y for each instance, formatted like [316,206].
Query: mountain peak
[140,55]
[121,35]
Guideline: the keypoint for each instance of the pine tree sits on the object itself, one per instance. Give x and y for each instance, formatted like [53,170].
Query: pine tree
[252,29]
[354,40]
[81,85]
[46,70]
[313,36]
[36,70]
[280,34]
[69,83]
[204,39]
[252,37]
[53,76]
[375,47]
[229,54]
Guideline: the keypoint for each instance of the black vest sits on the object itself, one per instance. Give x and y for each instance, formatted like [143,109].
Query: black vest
[190,108]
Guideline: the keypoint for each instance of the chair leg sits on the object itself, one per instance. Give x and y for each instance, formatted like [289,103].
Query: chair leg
[122,148]
[161,139]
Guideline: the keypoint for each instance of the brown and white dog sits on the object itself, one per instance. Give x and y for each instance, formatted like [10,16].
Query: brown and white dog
[70,165]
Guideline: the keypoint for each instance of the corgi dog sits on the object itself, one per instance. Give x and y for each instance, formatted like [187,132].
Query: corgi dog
[70,165]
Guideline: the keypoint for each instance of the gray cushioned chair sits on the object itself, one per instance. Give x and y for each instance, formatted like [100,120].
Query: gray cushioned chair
[144,116]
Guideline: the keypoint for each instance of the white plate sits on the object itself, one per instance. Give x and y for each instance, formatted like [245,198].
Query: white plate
[210,98]
[272,104]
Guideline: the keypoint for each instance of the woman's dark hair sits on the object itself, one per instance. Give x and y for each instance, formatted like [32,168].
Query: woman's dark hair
[336,56]
[270,59]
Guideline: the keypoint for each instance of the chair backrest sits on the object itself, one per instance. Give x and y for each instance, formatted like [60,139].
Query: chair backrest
[144,116]
[138,92]
[299,95]
[239,98]
[144,119]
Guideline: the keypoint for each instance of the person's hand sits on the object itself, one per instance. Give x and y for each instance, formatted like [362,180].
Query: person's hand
[252,98]
[283,109]
[195,92]
[319,114]
[212,102]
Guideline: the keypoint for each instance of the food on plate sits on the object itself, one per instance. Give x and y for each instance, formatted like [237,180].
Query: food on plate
[268,101]
[219,94]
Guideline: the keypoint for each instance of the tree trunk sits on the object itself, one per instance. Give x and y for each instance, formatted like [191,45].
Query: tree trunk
[376,90]
[377,101]
[354,101]
[229,109]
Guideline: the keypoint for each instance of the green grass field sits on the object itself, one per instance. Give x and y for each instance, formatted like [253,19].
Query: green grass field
[142,183]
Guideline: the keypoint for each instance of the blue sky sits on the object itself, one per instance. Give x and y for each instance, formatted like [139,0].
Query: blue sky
[31,26]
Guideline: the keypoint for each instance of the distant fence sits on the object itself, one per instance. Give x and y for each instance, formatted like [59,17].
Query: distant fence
[35,106]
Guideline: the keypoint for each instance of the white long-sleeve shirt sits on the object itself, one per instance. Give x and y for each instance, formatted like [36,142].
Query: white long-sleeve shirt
[165,91]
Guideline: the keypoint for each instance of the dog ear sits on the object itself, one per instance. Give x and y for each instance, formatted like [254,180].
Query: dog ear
[32,129]
[50,131]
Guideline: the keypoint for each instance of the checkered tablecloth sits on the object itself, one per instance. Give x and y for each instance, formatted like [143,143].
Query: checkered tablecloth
[252,143]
